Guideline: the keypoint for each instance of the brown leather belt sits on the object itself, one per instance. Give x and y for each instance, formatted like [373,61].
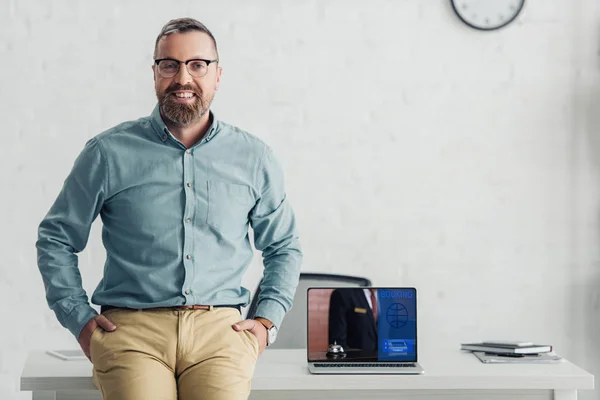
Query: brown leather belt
[174,308]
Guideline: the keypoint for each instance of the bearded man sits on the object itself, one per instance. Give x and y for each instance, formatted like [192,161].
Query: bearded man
[177,192]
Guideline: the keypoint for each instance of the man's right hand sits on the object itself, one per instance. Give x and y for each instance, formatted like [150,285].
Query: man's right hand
[98,322]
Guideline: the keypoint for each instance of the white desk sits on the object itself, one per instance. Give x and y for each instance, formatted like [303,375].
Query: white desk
[282,374]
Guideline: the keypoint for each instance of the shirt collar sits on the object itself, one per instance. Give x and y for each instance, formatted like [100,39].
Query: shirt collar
[163,133]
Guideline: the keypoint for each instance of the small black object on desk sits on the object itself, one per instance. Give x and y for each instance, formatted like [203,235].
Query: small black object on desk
[512,355]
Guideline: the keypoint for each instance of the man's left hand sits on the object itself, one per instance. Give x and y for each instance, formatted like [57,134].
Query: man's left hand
[257,329]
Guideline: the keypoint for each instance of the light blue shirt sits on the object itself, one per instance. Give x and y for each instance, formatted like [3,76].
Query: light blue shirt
[175,223]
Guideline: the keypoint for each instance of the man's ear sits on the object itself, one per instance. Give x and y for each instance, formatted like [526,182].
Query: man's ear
[218,80]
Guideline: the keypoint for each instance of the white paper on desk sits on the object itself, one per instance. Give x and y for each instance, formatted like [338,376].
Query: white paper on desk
[542,358]
[68,355]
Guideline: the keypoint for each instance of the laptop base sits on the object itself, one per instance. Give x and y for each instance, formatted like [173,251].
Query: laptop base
[361,369]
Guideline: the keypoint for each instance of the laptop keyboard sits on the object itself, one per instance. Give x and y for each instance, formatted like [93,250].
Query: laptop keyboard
[365,365]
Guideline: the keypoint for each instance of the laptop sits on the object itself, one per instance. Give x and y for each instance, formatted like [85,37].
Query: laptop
[359,330]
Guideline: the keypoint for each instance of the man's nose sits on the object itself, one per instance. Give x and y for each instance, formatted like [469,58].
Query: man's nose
[183,76]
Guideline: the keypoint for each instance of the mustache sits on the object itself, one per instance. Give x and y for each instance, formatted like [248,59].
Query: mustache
[175,88]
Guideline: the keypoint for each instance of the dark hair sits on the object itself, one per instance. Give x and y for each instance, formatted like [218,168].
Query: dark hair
[181,25]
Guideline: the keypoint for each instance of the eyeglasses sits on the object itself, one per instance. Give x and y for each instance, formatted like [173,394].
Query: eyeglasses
[169,67]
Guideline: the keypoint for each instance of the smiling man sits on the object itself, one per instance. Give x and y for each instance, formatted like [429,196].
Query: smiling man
[177,192]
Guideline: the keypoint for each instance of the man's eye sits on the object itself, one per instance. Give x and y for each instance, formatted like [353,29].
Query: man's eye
[198,65]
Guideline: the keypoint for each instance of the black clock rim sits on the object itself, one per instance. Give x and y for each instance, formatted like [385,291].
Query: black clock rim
[452,2]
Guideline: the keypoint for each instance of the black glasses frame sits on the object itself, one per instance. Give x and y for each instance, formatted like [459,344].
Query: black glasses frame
[208,62]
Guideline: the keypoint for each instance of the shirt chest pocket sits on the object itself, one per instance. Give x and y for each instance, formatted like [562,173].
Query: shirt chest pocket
[228,207]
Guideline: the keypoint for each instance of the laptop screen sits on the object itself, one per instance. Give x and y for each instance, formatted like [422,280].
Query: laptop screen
[356,324]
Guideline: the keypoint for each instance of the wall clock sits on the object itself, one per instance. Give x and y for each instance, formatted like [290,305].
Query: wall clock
[487,15]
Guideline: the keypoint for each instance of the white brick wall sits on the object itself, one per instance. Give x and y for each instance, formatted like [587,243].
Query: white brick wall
[417,151]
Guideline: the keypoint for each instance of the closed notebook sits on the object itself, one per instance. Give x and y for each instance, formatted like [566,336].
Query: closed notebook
[507,343]
[534,349]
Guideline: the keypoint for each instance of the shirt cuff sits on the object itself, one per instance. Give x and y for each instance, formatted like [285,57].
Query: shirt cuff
[271,310]
[78,318]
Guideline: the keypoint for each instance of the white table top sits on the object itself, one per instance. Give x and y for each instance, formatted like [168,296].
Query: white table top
[287,370]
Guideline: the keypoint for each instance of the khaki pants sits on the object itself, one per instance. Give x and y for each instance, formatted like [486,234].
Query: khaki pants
[173,355]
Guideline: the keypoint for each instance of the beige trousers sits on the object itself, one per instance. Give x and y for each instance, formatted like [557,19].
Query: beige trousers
[173,355]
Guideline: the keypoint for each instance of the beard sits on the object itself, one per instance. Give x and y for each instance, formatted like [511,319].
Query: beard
[183,114]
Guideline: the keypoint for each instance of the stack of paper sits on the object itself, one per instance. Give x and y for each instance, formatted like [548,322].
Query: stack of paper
[512,352]
[543,358]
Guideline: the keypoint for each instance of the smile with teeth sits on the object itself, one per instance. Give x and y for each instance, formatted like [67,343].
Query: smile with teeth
[184,95]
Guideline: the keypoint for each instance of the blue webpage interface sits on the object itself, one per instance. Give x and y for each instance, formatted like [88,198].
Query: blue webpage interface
[397,324]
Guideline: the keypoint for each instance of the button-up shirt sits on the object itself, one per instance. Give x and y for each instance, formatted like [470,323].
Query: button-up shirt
[175,223]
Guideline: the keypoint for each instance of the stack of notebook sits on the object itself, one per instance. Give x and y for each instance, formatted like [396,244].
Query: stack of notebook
[500,351]
[507,347]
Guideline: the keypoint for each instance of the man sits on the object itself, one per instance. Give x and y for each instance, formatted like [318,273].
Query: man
[353,319]
[176,192]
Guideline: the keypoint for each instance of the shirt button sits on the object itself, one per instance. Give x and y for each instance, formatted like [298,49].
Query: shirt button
[188,291]
[188,257]
[164,137]
[189,184]
[188,151]
[188,220]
